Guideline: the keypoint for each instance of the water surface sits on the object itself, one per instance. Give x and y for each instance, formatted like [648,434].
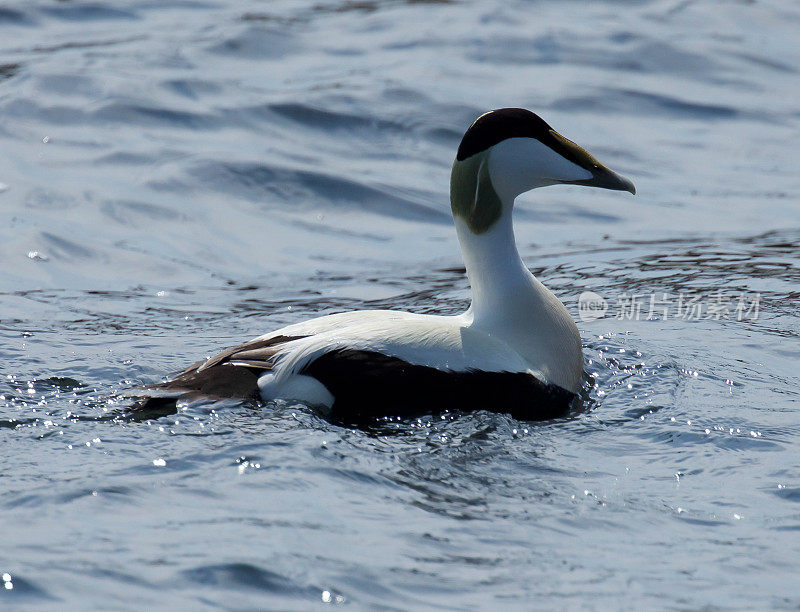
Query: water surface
[178,177]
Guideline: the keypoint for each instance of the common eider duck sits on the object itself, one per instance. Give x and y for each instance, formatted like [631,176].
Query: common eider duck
[515,350]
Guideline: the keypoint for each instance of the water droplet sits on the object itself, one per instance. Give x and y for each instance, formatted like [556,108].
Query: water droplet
[326,596]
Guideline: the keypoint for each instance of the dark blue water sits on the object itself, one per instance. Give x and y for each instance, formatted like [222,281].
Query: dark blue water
[176,177]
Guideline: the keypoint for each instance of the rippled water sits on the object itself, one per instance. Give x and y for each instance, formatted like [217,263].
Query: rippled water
[179,176]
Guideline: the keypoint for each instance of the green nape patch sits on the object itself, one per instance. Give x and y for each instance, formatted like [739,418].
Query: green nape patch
[472,195]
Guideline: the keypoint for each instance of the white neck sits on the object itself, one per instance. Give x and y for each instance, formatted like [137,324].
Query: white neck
[496,272]
[509,303]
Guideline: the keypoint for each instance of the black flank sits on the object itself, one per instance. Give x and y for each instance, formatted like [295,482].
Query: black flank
[368,385]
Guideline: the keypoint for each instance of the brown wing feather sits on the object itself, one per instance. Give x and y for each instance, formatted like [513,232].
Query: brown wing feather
[232,373]
[254,350]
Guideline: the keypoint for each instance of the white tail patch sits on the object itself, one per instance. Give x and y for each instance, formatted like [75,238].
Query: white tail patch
[300,388]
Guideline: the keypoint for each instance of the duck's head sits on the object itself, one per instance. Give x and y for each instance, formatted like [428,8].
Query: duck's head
[509,151]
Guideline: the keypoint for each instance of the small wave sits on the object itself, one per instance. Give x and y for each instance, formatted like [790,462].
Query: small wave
[8,70]
[87,12]
[140,213]
[257,43]
[18,590]
[246,575]
[289,188]
[15,17]
[327,119]
[633,102]
[137,114]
